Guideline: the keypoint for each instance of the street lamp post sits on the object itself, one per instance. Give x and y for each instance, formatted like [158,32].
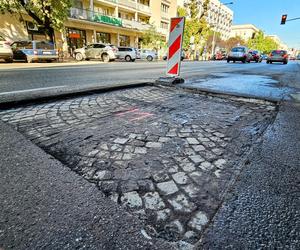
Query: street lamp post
[216,27]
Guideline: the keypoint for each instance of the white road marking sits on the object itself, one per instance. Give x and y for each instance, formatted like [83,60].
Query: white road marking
[30,90]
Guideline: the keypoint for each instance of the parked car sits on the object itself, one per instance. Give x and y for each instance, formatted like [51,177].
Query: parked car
[32,51]
[240,53]
[278,56]
[105,52]
[5,50]
[219,56]
[255,56]
[127,53]
[165,57]
[147,54]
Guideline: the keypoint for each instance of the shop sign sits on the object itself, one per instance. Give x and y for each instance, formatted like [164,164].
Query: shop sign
[74,35]
[107,19]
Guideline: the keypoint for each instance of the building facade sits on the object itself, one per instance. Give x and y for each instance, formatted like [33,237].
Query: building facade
[276,39]
[219,17]
[245,31]
[119,22]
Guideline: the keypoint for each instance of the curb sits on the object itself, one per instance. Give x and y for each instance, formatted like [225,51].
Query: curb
[9,100]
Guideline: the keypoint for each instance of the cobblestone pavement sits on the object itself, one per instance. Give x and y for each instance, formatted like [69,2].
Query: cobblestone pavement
[166,155]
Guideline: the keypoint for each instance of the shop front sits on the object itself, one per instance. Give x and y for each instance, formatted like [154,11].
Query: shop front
[76,38]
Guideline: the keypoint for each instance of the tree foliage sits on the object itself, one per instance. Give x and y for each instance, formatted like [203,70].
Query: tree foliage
[234,41]
[262,43]
[49,14]
[151,38]
[196,25]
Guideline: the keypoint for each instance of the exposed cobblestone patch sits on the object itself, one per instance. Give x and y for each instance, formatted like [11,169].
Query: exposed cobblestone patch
[165,155]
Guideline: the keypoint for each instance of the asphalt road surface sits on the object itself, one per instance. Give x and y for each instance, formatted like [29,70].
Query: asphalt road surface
[20,78]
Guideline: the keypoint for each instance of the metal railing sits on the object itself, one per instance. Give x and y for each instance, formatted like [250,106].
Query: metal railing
[98,17]
[128,3]
[93,16]
[144,8]
[135,25]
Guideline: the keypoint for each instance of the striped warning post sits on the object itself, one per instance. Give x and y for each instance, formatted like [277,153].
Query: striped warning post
[175,46]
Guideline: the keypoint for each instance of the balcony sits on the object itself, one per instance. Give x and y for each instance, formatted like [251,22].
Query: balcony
[165,15]
[100,18]
[144,8]
[128,3]
[135,25]
[94,17]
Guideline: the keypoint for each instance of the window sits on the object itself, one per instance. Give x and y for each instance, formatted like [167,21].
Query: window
[99,46]
[102,37]
[124,40]
[164,25]
[164,8]
[22,45]
[44,45]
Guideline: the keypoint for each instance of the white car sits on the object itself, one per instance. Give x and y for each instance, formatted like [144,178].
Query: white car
[147,54]
[105,52]
[127,53]
[5,50]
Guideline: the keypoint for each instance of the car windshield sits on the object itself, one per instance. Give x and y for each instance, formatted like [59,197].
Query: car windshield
[238,49]
[278,52]
[44,45]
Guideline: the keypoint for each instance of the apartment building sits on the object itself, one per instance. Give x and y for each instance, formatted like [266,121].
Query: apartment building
[245,31]
[120,22]
[219,17]
[276,39]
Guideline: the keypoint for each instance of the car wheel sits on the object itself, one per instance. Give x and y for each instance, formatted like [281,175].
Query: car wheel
[271,62]
[228,61]
[244,61]
[127,58]
[10,60]
[267,62]
[105,58]
[150,58]
[79,57]
[284,62]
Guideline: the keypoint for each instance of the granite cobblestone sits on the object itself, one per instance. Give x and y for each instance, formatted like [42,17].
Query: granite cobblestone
[164,154]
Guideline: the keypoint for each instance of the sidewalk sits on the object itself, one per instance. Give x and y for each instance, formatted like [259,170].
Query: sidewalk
[45,205]
[263,210]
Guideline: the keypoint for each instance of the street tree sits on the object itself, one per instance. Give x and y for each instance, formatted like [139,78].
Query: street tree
[151,38]
[196,26]
[262,43]
[47,14]
[234,41]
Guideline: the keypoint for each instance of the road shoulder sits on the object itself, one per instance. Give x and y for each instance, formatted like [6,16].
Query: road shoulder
[44,205]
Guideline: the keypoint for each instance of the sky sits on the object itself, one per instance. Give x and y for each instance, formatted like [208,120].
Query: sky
[266,15]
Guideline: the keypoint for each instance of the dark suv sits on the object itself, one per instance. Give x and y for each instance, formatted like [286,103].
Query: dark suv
[278,56]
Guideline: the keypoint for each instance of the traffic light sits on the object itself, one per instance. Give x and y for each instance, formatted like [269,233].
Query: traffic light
[283,19]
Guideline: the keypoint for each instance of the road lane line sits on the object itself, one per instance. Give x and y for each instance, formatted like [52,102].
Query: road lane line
[31,90]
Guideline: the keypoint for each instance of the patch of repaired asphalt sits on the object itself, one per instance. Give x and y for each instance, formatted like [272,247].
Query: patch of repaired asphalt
[257,86]
[166,155]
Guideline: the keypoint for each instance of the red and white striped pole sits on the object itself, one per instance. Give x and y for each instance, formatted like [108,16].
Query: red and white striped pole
[175,46]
